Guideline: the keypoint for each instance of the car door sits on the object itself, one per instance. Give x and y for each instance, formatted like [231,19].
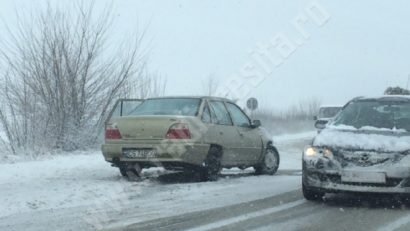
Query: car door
[225,133]
[211,134]
[249,143]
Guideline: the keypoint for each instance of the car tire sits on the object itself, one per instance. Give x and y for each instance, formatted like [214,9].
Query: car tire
[132,172]
[123,171]
[311,194]
[211,168]
[270,162]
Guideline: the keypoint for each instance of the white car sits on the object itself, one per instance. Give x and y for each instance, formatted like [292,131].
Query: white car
[326,113]
[366,148]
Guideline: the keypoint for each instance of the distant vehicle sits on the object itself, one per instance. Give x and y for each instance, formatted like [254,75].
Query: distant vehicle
[326,113]
[194,134]
[366,148]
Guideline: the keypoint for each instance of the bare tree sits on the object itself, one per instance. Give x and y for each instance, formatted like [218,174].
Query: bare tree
[396,91]
[60,75]
[145,84]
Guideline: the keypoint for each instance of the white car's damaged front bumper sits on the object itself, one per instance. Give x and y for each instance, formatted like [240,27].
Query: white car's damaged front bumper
[329,173]
[335,183]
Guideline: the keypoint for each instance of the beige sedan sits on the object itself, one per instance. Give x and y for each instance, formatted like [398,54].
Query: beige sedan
[195,134]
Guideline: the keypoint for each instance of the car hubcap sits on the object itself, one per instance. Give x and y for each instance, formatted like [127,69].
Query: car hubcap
[270,160]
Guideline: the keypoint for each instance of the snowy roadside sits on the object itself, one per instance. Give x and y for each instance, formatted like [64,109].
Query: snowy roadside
[86,185]
[290,148]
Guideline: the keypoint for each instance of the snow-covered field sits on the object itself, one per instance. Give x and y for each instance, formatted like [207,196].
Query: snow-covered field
[83,191]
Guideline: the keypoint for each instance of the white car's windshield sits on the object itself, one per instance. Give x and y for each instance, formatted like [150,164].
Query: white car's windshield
[376,114]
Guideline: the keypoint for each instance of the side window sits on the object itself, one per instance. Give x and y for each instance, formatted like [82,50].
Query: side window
[206,115]
[239,118]
[213,115]
[222,115]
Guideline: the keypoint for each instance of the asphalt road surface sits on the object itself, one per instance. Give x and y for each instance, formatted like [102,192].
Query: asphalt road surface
[289,211]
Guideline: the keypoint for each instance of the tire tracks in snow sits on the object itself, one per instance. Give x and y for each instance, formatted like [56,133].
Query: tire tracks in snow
[210,219]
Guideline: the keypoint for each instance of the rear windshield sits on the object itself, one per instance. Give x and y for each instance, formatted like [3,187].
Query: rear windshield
[125,107]
[182,107]
[376,114]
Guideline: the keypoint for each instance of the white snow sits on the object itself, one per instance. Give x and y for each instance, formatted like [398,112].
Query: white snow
[360,141]
[366,128]
[82,191]
[291,147]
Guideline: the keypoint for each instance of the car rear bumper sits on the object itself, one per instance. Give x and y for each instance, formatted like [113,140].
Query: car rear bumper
[178,152]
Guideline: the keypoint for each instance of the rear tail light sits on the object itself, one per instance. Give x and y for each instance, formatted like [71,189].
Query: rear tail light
[178,131]
[112,132]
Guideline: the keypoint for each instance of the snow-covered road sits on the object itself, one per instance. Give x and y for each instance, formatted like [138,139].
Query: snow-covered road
[83,191]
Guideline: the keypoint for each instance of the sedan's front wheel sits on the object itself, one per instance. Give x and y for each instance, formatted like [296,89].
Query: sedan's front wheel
[270,163]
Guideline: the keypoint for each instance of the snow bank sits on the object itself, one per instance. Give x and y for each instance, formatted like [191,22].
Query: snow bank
[348,139]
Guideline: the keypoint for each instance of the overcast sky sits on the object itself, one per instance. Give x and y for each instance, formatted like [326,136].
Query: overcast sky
[362,48]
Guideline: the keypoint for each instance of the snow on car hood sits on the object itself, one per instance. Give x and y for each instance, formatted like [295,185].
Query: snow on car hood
[364,139]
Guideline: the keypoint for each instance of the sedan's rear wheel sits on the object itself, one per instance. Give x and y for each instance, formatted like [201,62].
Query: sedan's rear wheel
[131,171]
[123,171]
[270,163]
[211,168]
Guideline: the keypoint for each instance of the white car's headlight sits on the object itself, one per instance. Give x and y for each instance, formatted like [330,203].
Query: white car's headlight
[317,152]
[311,152]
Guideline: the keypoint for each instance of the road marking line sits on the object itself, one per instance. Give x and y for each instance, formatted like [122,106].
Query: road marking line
[247,216]
[395,225]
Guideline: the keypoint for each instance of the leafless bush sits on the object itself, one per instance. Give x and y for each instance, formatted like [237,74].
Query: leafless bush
[147,84]
[60,75]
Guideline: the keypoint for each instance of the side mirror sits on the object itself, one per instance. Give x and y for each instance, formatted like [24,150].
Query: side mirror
[321,124]
[256,124]
[315,118]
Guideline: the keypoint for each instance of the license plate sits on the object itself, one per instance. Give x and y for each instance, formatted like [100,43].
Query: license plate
[363,177]
[140,153]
